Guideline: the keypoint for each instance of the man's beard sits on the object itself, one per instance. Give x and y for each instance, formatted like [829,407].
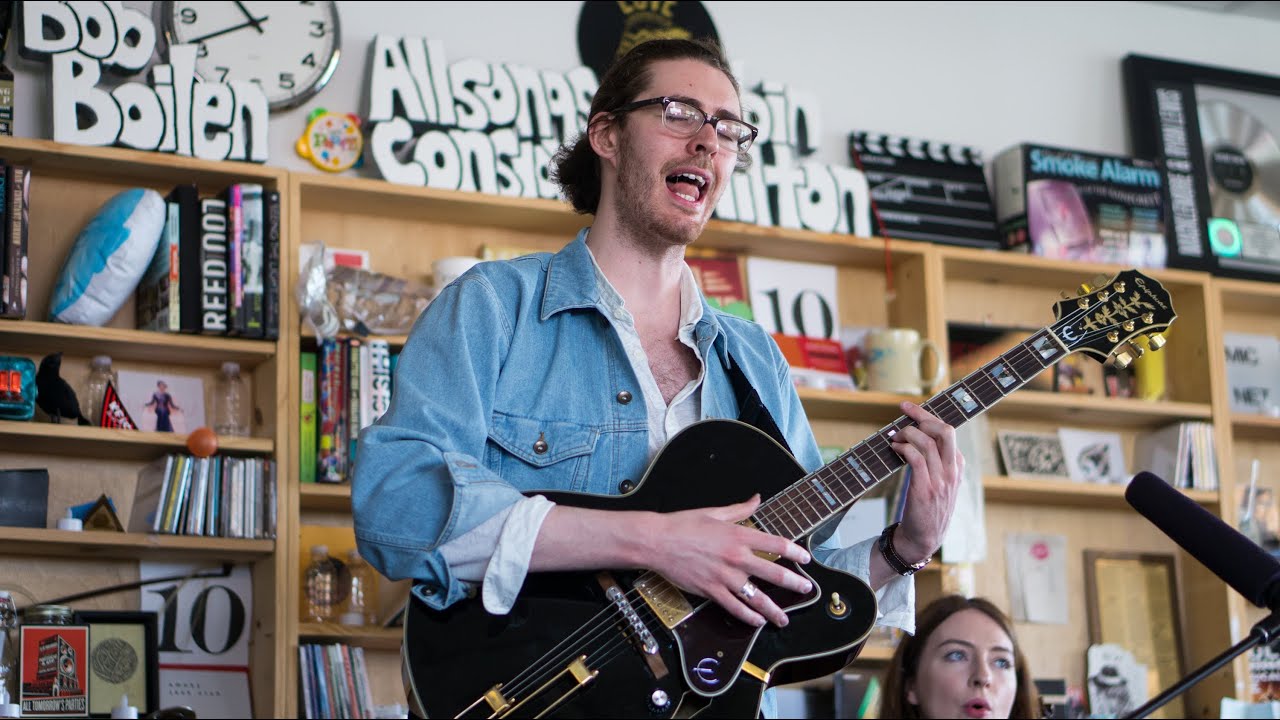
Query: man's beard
[645,227]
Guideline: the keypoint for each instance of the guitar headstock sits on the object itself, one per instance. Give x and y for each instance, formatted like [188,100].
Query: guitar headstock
[1108,317]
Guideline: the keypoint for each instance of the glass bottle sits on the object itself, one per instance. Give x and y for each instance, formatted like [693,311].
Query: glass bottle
[100,373]
[231,403]
[362,600]
[320,586]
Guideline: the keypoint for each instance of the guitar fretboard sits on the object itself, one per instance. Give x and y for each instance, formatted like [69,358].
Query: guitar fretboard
[815,498]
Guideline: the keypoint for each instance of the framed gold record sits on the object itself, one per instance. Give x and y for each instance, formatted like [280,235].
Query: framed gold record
[1216,134]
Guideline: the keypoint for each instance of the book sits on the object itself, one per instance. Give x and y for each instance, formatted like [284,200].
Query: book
[271,294]
[187,199]
[233,198]
[153,481]
[252,259]
[722,279]
[307,420]
[17,200]
[24,497]
[155,302]
[214,276]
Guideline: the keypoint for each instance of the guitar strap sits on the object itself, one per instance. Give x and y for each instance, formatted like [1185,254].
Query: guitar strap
[751,410]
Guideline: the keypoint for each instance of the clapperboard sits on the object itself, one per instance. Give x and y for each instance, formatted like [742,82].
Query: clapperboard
[925,190]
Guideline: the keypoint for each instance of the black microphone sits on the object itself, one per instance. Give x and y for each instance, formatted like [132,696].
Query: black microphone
[1247,568]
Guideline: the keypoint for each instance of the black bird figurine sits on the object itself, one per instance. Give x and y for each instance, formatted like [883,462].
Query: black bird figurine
[53,394]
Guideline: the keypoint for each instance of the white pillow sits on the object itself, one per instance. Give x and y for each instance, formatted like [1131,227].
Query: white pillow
[108,258]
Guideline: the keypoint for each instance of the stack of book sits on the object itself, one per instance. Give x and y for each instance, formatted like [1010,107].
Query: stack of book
[216,270]
[335,682]
[1182,454]
[215,496]
[346,386]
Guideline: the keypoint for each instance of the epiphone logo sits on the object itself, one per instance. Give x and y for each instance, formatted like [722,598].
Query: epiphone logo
[1151,294]
[706,670]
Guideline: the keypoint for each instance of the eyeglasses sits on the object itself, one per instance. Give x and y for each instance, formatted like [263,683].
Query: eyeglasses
[686,120]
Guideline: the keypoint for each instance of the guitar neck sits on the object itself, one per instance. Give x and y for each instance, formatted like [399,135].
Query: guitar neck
[819,496]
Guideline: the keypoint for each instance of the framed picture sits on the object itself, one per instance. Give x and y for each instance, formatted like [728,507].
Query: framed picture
[1132,601]
[163,401]
[123,660]
[1217,133]
[1031,454]
[1094,457]
[55,675]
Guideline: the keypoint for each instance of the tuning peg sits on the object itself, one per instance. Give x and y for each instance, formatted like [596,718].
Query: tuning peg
[1123,358]
[1066,295]
[1137,349]
[1156,341]
[1085,289]
[1100,280]
[1118,287]
[1127,325]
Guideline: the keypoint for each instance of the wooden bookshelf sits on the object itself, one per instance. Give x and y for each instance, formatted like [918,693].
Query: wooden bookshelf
[90,544]
[42,338]
[325,496]
[1065,493]
[1255,427]
[110,443]
[373,638]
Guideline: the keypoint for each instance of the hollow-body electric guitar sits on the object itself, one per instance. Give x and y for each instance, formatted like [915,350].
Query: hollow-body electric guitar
[631,644]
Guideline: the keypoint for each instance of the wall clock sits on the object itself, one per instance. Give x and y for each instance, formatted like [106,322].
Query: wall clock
[290,49]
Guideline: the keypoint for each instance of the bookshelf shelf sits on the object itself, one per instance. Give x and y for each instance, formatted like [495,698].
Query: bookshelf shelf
[109,443]
[870,406]
[1069,494]
[1255,427]
[91,544]
[334,497]
[370,638]
[42,338]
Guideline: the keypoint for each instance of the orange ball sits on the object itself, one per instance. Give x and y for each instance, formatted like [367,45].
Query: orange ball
[202,442]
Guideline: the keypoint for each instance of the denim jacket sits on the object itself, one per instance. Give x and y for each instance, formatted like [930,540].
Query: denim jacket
[514,381]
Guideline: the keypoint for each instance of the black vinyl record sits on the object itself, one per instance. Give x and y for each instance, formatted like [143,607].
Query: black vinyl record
[607,30]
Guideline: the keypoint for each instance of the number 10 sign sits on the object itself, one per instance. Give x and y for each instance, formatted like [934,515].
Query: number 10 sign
[203,621]
[794,298]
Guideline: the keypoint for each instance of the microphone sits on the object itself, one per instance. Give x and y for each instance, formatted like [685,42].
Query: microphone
[1247,568]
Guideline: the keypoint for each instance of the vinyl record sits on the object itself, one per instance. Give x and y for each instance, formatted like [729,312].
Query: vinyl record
[1242,161]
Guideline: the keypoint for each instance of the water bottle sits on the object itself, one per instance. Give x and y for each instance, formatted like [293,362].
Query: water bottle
[320,588]
[362,600]
[231,403]
[100,373]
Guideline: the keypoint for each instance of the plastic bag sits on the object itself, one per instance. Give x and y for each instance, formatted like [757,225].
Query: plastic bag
[313,299]
[373,303]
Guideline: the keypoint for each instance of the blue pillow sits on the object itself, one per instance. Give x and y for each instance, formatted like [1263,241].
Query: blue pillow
[108,258]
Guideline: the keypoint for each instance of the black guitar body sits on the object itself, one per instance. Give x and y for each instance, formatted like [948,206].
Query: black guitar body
[465,662]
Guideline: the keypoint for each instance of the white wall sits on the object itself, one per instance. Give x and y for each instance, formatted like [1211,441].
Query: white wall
[986,74]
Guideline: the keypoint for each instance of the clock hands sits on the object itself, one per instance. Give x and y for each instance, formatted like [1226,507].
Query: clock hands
[257,24]
[253,23]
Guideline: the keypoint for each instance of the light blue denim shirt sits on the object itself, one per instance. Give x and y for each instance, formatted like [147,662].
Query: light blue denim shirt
[519,352]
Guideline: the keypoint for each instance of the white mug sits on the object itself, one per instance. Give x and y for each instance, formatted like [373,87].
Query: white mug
[893,358]
[447,269]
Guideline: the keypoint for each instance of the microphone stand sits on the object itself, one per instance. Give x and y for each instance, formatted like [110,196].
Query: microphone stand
[1265,632]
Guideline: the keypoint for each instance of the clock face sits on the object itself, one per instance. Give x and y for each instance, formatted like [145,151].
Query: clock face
[290,49]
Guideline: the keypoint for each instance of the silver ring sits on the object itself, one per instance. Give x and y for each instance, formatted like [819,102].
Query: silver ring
[747,591]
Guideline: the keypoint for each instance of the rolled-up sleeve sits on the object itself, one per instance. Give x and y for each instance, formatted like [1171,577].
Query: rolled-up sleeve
[418,480]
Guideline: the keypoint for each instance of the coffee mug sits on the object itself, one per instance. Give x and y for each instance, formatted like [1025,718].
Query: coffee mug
[447,269]
[893,358]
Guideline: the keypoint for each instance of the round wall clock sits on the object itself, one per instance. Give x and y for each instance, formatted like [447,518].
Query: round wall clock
[290,49]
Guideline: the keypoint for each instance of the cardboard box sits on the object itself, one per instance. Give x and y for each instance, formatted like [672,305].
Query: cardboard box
[1074,205]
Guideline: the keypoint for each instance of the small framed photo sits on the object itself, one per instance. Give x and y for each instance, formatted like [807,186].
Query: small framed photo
[1031,454]
[55,671]
[163,401]
[1094,457]
[123,660]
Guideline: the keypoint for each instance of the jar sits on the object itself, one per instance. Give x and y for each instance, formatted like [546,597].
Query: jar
[46,615]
